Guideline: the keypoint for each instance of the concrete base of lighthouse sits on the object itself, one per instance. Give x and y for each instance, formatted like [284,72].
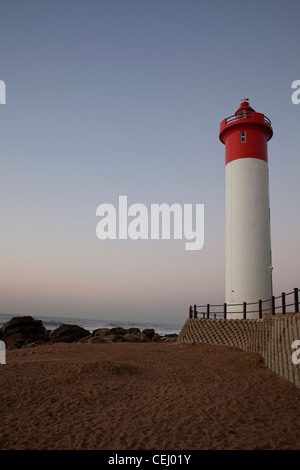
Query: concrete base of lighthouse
[248,239]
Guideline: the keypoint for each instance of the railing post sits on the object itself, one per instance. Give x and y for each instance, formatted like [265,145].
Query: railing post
[225,311]
[260,308]
[296,300]
[244,310]
[283,302]
[273,305]
[191,312]
[207,310]
[195,311]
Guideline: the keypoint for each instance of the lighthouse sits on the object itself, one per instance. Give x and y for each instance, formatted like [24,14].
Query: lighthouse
[248,257]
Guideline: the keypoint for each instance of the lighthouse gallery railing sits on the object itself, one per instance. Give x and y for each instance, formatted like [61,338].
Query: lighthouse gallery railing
[248,115]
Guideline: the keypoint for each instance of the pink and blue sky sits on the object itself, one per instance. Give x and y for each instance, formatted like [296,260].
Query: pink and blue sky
[125,97]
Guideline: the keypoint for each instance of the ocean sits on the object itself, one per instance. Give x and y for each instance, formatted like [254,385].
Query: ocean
[50,323]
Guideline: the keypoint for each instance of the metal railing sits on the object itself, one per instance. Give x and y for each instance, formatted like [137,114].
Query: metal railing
[241,115]
[282,304]
[247,115]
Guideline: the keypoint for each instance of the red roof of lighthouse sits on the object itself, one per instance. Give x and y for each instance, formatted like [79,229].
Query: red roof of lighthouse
[244,107]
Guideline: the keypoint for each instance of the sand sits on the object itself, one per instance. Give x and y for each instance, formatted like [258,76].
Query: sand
[144,396]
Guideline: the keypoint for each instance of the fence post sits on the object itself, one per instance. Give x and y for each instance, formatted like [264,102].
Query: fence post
[195,311]
[296,300]
[225,311]
[283,302]
[260,309]
[207,310]
[244,310]
[273,305]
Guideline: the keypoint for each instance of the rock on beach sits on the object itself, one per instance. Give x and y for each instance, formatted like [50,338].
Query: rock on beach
[20,331]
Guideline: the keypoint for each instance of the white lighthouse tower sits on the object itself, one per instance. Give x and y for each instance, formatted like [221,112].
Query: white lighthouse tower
[248,233]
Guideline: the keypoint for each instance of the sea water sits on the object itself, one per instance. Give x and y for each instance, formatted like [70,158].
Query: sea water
[91,324]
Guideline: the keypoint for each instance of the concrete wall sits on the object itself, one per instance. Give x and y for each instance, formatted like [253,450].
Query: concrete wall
[272,337]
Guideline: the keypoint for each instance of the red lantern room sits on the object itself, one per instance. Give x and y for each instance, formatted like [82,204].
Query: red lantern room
[245,127]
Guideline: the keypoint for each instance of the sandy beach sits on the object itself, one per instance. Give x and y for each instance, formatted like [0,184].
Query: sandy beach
[144,396]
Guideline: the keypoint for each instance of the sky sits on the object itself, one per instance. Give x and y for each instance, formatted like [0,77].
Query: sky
[125,97]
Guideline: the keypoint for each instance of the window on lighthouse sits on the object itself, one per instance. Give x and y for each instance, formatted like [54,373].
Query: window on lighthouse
[243,136]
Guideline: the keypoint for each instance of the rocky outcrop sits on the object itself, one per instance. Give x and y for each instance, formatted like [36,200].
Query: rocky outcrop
[20,331]
[68,334]
[119,334]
